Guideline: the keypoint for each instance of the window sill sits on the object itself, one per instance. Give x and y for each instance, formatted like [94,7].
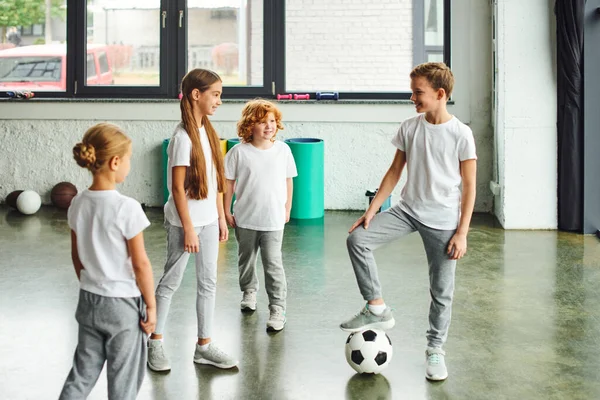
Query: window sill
[326,111]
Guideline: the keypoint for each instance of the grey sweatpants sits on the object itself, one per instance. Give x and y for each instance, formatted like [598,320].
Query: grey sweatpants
[109,330]
[206,276]
[269,243]
[393,224]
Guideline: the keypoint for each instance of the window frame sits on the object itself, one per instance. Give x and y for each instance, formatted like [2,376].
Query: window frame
[173,56]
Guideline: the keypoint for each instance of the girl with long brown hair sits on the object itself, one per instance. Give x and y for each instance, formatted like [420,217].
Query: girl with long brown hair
[194,216]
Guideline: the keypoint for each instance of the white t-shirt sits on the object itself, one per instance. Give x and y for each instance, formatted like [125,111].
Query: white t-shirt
[261,187]
[432,193]
[202,212]
[103,221]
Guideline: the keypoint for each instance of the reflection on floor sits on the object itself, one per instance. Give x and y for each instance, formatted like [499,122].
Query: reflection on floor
[525,323]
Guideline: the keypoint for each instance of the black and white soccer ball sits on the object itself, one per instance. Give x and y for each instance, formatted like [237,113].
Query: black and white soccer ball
[369,351]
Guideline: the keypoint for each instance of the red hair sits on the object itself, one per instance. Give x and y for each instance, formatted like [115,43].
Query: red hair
[255,112]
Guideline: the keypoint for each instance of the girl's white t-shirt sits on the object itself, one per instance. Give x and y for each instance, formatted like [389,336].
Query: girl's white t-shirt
[432,193]
[261,187]
[104,220]
[202,212]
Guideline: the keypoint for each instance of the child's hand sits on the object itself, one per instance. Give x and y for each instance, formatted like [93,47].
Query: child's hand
[230,220]
[223,231]
[457,247]
[365,220]
[287,215]
[149,325]
[191,243]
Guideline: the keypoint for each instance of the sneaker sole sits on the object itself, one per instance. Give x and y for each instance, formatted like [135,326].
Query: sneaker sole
[155,369]
[436,378]
[273,329]
[248,308]
[214,364]
[376,325]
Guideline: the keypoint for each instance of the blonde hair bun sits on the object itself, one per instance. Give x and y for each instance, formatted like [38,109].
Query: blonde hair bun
[85,155]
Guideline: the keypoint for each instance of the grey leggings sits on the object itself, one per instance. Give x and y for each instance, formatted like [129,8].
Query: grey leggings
[206,275]
[393,224]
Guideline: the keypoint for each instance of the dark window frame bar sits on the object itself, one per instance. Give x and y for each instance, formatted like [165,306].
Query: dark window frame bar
[173,46]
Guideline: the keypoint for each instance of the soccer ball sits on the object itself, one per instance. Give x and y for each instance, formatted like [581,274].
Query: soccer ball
[369,351]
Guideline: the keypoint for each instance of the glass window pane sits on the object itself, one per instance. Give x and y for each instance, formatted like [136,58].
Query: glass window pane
[33,50]
[91,67]
[345,46]
[123,36]
[434,22]
[226,36]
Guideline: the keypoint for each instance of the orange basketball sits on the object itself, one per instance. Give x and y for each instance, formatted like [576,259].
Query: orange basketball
[62,194]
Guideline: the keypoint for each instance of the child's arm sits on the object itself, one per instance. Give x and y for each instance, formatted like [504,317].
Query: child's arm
[389,182]
[458,244]
[190,241]
[223,231]
[145,281]
[288,203]
[227,198]
[75,255]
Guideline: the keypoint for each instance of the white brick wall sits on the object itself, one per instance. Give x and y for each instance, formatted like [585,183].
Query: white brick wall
[344,45]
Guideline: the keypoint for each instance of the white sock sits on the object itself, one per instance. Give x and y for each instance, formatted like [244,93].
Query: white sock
[204,347]
[377,309]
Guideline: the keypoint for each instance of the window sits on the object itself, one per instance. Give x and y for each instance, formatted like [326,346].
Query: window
[91,66]
[143,48]
[33,55]
[431,33]
[232,47]
[103,60]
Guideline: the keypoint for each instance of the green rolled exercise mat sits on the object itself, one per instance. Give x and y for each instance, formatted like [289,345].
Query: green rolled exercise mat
[165,160]
[308,200]
[230,144]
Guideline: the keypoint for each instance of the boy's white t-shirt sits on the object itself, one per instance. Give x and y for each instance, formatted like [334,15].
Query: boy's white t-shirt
[103,221]
[202,212]
[432,193]
[261,187]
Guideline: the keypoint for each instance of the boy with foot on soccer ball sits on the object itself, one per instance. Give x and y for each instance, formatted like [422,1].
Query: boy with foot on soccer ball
[437,201]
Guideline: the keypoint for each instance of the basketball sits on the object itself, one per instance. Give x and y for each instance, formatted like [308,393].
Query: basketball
[62,194]
[11,199]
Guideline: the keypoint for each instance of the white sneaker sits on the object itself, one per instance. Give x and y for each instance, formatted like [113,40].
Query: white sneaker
[157,359]
[436,365]
[276,320]
[248,301]
[214,356]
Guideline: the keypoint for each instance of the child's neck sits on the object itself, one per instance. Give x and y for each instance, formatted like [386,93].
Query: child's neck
[438,117]
[261,144]
[103,182]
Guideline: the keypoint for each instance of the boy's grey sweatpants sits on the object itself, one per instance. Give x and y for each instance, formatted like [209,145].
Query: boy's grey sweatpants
[269,243]
[393,224]
[206,275]
[109,330]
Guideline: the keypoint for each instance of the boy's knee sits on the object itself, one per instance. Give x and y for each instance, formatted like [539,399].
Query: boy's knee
[354,239]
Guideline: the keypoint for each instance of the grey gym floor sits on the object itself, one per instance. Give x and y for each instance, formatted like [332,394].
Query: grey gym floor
[526,321]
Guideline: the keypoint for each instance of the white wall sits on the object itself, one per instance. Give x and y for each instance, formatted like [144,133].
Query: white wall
[36,137]
[526,116]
